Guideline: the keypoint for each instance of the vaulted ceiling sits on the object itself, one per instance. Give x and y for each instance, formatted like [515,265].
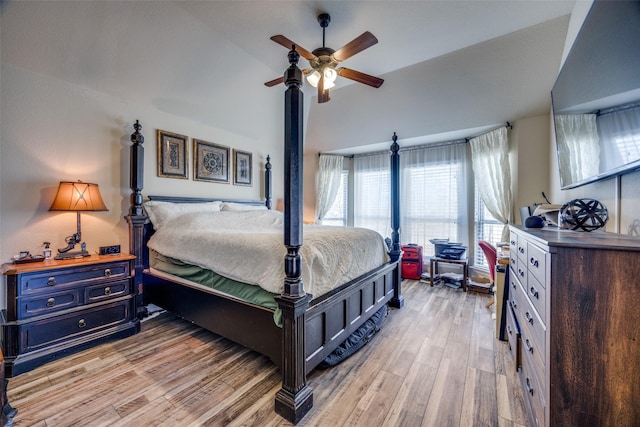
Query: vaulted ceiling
[208,60]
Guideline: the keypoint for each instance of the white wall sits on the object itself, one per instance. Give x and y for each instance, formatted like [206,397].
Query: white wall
[53,131]
[530,153]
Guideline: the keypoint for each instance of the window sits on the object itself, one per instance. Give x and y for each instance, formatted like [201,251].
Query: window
[337,214]
[434,195]
[486,228]
[371,207]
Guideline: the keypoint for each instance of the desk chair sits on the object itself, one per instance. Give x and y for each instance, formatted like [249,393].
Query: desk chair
[491,255]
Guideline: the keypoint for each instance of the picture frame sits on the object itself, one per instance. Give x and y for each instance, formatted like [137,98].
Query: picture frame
[242,168]
[173,150]
[211,162]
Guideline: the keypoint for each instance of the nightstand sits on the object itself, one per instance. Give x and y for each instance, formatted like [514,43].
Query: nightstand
[59,307]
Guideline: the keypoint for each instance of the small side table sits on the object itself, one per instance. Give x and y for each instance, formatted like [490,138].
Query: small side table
[464,262]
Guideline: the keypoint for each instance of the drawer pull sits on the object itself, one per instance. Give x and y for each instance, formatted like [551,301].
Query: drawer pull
[107,272]
[513,243]
[107,290]
[82,323]
[51,302]
[528,316]
[520,249]
[514,305]
[534,292]
[51,281]
[509,330]
[521,273]
[527,343]
[534,262]
[529,388]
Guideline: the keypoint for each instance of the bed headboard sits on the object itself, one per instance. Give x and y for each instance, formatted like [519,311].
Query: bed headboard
[140,229]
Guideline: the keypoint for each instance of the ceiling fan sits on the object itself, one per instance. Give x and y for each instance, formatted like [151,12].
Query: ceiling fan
[324,61]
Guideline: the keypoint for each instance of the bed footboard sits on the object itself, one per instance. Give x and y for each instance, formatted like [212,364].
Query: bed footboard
[329,322]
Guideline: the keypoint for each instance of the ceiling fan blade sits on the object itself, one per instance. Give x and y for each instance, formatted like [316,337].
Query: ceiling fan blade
[279,80]
[282,40]
[356,45]
[274,82]
[323,95]
[360,77]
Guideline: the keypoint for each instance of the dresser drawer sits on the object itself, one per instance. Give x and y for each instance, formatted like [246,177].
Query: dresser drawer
[536,263]
[46,281]
[521,250]
[50,303]
[532,333]
[513,338]
[106,291]
[533,392]
[519,271]
[57,329]
[538,295]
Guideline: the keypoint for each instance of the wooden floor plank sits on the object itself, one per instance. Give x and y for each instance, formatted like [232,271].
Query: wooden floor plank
[435,363]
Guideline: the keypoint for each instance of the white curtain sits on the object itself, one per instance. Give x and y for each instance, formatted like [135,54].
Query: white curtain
[490,156]
[372,204]
[327,183]
[434,195]
[578,147]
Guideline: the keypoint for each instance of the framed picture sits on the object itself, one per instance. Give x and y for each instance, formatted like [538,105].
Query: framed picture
[172,155]
[242,167]
[211,161]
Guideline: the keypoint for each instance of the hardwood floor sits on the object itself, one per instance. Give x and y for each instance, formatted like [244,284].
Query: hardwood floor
[434,363]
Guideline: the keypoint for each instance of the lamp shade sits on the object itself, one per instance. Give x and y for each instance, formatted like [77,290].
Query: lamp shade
[78,196]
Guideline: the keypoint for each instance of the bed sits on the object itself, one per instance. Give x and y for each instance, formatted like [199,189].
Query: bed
[310,326]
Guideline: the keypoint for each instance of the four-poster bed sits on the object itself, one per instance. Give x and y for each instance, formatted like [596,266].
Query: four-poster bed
[312,326]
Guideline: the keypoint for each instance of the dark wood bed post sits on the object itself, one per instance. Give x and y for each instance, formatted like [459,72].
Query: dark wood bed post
[137,218]
[267,183]
[395,253]
[295,398]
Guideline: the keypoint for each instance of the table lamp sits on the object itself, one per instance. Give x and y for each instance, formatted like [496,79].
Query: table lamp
[76,197]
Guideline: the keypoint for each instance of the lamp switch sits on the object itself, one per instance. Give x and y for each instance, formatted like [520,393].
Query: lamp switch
[110,250]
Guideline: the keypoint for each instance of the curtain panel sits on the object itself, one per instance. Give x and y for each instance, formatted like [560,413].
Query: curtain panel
[490,157]
[327,183]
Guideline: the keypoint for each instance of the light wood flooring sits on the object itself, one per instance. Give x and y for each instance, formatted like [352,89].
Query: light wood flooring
[435,363]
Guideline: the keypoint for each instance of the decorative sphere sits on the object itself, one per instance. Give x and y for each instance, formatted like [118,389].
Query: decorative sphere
[584,214]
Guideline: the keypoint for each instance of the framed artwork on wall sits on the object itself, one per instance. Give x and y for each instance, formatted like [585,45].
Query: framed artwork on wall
[211,161]
[242,167]
[172,155]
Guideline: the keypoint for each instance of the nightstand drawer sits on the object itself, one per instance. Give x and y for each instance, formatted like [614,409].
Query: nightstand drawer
[105,291]
[67,328]
[50,303]
[37,281]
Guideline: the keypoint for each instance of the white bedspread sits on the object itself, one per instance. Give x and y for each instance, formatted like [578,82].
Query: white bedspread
[249,247]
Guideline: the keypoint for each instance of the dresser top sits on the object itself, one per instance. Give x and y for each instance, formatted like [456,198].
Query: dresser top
[52,264]
[581,239]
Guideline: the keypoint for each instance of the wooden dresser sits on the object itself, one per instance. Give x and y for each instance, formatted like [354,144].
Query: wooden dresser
[55,308]
[574,326]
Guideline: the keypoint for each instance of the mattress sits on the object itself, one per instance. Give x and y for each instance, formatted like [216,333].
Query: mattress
[205,278]
[248,247]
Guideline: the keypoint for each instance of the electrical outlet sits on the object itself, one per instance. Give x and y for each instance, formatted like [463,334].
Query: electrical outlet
[110,250]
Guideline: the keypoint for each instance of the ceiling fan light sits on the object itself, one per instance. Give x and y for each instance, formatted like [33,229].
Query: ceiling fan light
[329,76]
[313,78]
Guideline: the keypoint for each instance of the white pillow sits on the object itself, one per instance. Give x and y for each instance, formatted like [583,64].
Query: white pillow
[229,206]
[160,212]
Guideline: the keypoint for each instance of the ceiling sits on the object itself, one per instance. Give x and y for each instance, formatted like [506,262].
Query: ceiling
[206,59]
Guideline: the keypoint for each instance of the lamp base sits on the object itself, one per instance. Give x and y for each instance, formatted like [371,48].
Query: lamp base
[71,255]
